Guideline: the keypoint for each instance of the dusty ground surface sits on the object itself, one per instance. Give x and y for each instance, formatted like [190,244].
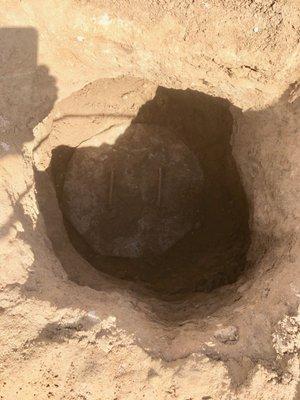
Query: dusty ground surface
[69,331]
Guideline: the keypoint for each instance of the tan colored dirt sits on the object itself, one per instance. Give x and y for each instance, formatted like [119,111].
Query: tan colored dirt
[70,69]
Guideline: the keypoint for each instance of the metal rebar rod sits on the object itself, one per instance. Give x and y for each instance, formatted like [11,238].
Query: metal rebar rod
[158,201]
[111,186]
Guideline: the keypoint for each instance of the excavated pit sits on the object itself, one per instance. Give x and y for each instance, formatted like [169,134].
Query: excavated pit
[152,277]
[118,152]
[156,200]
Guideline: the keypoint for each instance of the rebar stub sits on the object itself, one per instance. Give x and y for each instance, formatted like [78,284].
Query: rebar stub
[133,190]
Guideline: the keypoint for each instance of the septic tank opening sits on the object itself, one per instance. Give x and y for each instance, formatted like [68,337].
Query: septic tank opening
[132,191]
[158,200]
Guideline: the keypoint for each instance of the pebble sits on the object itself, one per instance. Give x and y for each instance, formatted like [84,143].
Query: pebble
[5,146]
[227,335]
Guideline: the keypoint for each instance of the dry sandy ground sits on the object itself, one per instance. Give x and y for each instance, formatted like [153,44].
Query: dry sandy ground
[70,69]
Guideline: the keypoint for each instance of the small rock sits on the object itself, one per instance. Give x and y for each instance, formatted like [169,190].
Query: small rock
[227,335]
[4,123]
[104,20]
[5,146]
[92,314]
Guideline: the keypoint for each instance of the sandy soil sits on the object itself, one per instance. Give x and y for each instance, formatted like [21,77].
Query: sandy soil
[70,69]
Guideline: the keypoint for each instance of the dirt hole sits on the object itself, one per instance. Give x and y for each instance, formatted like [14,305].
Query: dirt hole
[157,199]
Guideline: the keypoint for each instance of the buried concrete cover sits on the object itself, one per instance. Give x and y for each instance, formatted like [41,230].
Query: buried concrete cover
[133,191]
